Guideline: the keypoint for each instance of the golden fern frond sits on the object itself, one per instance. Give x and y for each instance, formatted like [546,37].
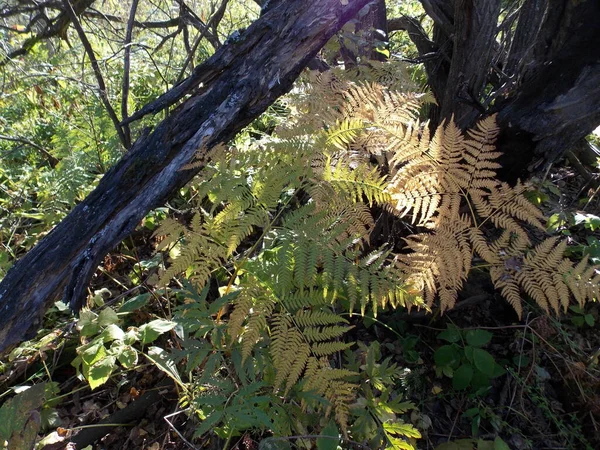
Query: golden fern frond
[507,201]
[171,231]
[393,74]
[321,99]
[241,310]
[332,384]
[480,151]
[448,145]
[202,156]
[200,251]
[396,107]
[317,334]
[371,141]
[295,339]
[432,172]
[256,323]
[289,350]
[315,318]
[361,101]
[545,275]
[584,281]
[253,306]
[419,194]
[322,349]
[440,261]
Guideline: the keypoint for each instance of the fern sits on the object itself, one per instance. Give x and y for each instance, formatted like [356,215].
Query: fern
[438,180]
[290,217]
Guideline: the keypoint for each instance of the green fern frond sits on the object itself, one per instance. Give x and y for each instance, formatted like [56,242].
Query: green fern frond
[343,132]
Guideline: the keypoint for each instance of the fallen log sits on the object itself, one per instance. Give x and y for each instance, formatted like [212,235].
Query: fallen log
[248,73]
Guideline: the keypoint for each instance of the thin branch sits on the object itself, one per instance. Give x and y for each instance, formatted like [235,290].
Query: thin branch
[47,155]
[214,20]
[187,16]
[415,31]
[190,16]
[126,66]
[146,25]
[100,79]
[57,28]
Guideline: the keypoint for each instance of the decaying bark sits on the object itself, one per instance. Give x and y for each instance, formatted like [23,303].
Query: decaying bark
[239,82]
[539,70]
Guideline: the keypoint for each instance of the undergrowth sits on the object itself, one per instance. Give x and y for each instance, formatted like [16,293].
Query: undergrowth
[273,275]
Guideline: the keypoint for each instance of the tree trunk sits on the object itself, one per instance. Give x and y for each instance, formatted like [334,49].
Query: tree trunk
[539,70]
[237,84]
[557,100]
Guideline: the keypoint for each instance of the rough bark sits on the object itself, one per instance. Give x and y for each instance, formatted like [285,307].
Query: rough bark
[558,101]
[544,83]
[239,82]
[474,36]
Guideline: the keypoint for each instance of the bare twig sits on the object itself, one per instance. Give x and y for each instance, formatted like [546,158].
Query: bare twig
[214,20]
[100,79]
[47,155]
[126,65]
[57,28]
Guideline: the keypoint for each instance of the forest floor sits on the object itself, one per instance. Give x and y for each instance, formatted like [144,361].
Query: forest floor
[546,397]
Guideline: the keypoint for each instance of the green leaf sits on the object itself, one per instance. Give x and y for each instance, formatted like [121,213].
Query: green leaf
[107,316]
[151,330]
[462,377]
[100,372]
[330,439]
[92,352]
[480,383]
[478,338]
[589,319]
[112,333]
[128,357]
[135,303]
[469,353]
[452,334]
[160,358]
[207,424]
[578,321]
[521,360]
[15,414]
[471,412]
[87,323]
[485,445]
[446,355]
[499,444]
[448,371]
[398,444]
[576,309]
[498,371]
[461,444]
[484,361]
[271,443]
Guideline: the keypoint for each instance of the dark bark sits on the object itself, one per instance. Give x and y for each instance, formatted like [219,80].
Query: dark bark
[558,101]
[474,37]
[544,83]
[239,82]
